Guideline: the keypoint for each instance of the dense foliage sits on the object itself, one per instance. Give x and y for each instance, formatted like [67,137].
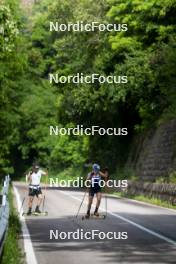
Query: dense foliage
[146,53]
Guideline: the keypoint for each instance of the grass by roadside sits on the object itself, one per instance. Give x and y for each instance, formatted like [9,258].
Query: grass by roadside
[12,253]
[143,198]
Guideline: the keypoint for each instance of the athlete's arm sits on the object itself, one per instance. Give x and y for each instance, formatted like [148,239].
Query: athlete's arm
[103,174]
[28,177]
[88,176]
[87,181]
[44,173]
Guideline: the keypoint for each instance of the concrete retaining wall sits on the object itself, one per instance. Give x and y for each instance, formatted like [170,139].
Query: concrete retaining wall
[165,192]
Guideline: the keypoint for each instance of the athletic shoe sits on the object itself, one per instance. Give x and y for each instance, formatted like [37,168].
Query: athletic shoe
[37,210]
[29,212]
[96,214]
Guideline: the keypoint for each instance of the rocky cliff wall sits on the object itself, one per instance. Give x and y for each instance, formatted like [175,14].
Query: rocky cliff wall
[154,154]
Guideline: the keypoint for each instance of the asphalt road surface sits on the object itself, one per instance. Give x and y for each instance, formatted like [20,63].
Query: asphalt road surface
[151,231]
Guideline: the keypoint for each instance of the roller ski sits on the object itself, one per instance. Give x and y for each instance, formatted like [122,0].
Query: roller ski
[93,216]
[37,212]
[33,213]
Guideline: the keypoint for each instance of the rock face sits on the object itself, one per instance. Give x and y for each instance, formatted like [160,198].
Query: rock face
[156,152]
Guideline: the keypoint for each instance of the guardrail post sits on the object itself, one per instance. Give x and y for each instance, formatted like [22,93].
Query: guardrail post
[4,200]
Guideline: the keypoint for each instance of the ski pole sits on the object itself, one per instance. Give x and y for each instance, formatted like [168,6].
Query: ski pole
[27,175]
[22,205]
[43,205]
[106,204]
[81,204]
[106,198]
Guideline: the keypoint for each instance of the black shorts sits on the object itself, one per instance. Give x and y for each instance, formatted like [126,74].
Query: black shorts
[35,191]
[94,190]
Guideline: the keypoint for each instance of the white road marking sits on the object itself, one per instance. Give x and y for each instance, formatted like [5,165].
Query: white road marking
[151,232]
[29,250]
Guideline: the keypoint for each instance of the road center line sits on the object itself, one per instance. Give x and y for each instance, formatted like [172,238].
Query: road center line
[147,230]
[29,250]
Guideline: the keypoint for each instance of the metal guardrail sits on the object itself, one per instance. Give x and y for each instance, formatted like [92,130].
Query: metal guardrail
[4,211]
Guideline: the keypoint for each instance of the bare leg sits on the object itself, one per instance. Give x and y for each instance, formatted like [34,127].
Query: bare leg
[31,198]
[89,204]
[39,200]
[30,201]
[98,195]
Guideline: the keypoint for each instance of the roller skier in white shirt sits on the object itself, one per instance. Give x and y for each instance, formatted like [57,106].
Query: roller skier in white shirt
[34,178]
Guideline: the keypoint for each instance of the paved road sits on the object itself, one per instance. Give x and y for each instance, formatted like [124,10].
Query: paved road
[151,232]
